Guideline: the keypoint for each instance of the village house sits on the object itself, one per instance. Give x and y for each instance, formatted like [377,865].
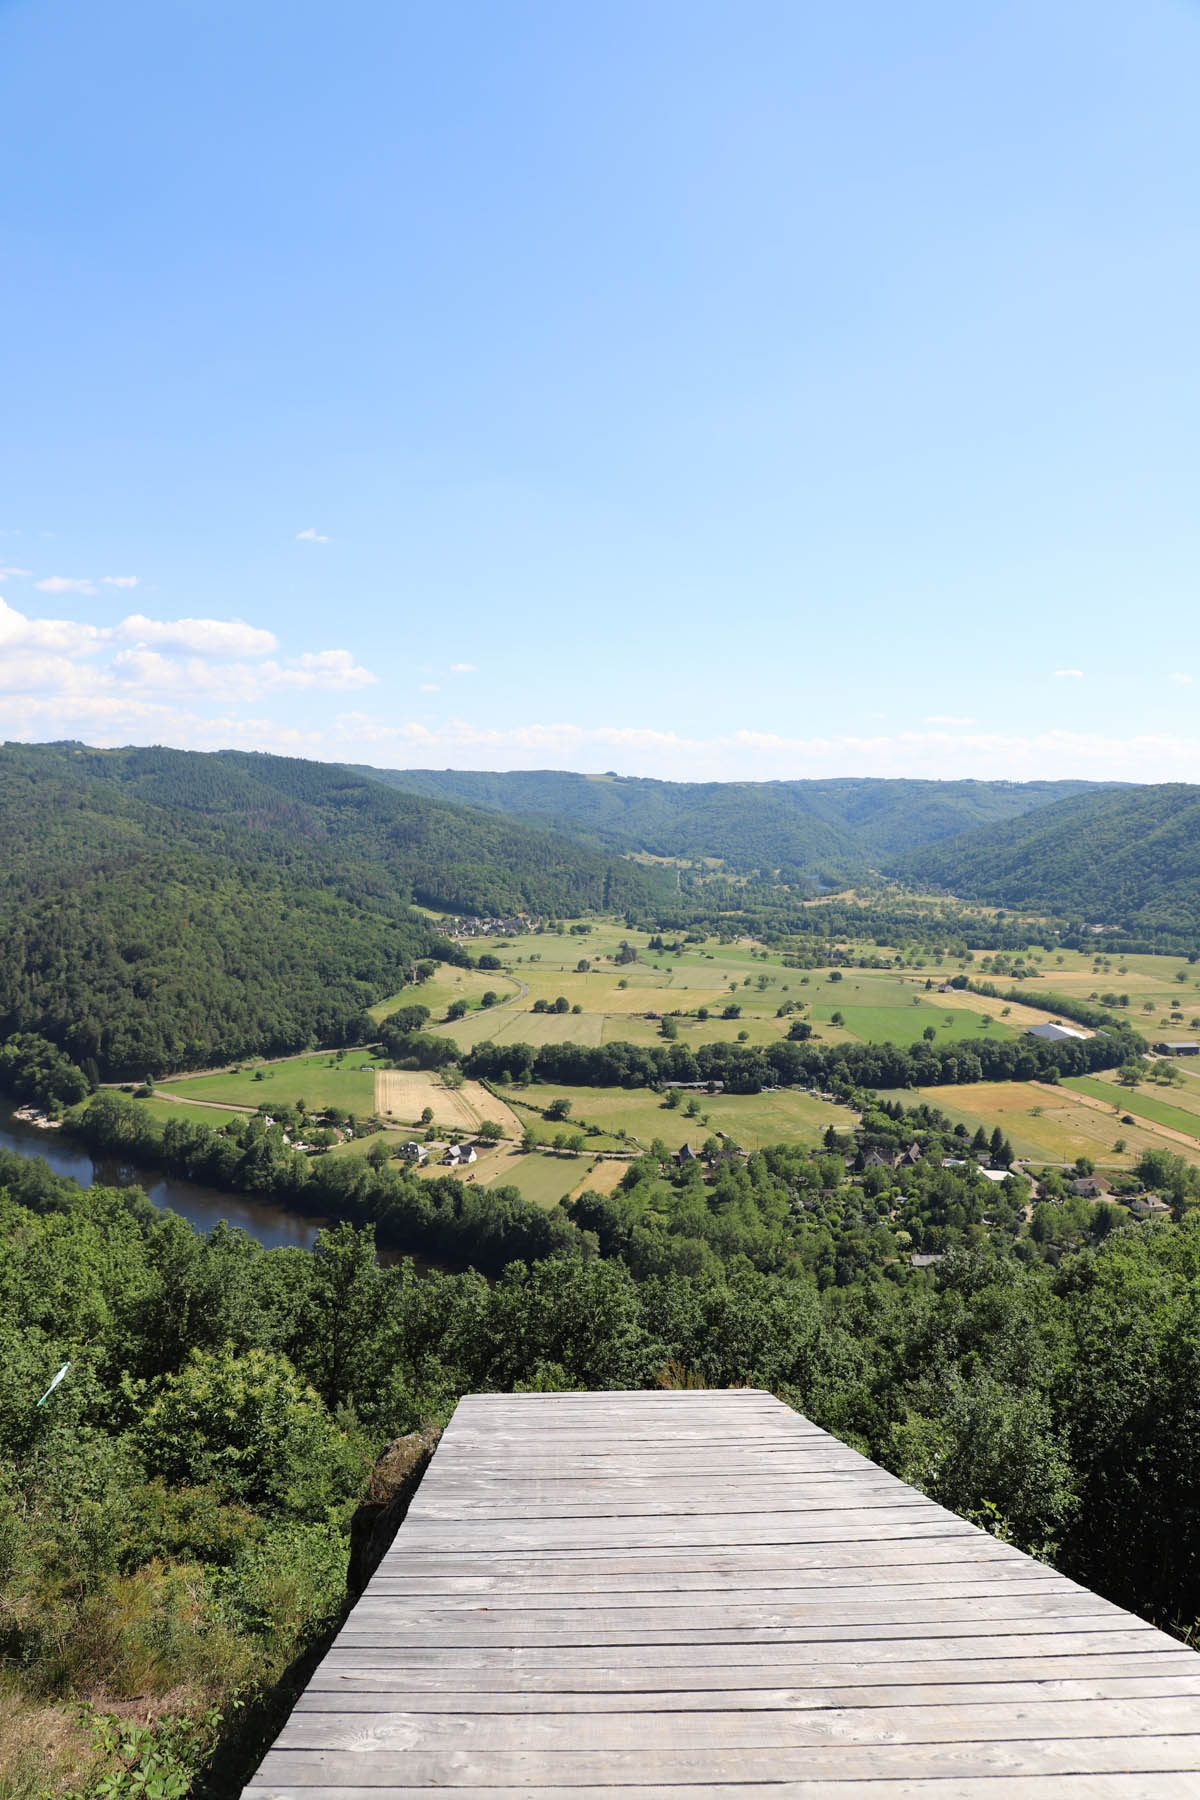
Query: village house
[1149,1206]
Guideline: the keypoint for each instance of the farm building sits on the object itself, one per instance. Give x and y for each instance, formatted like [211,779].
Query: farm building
[1054,1034]
[1167,1049]
[1149,1206]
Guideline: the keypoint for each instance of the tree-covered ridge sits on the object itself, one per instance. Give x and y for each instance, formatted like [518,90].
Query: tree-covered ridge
[809,828]
[164,909]
[1114,856]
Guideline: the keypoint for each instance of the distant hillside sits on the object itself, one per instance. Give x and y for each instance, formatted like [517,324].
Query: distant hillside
[1114,856]
[166,909]
[807,828]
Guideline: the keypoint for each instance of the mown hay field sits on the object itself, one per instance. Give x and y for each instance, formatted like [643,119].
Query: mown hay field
[1048,1124]
[405,1093]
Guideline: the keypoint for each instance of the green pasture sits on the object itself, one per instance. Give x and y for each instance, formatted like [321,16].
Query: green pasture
[318,1079]
[543,1177]
[441,990]
[752,1120]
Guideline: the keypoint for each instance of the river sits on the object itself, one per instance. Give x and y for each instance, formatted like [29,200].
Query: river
[201,1206]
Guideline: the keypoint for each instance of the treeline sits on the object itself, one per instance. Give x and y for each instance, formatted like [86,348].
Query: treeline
[442,1218]
[1096,1018]
[745,1069]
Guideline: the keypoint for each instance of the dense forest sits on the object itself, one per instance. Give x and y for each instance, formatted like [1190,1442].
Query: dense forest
[807,829]
[161,909]
[1118,856]
[174,1518]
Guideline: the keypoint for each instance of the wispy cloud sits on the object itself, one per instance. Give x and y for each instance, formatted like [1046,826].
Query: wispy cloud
[208,637]
[1068,674]
[8,574]
[119,581]
[65,584]
[311,537]
[462,668]
[431,687]
[945,719]
[1179,679]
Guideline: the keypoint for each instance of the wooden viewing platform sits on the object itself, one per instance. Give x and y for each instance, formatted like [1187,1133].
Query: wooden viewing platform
[659,1596]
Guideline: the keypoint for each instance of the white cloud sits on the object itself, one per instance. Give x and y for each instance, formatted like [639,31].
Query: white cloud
[17,632]
[7,574]
[151,672]
[1180,680]
[119,581]
[1068,674]
[462,668]
[431,687]
[208,637]
[66,584]
[311,537]
[945,719]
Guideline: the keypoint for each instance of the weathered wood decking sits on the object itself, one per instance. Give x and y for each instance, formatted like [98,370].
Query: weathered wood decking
[682,1594]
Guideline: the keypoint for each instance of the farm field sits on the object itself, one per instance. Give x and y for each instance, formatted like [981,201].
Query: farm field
[541,1176]
[405,1093]
[1045,1124]
[319,1079]
[1140,1103]
[441,990]
[892,1006]
[752,1120]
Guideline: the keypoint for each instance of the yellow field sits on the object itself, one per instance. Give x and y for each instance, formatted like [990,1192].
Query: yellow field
[405,1093]
[1051,1124]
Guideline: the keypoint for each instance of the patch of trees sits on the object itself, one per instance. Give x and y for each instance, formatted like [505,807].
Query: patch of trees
[32,1068]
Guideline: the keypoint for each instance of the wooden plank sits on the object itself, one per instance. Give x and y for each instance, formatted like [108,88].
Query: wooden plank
[816,1693]
[678,1762]
[930,1646]
[1167,1672]
[1157,1786]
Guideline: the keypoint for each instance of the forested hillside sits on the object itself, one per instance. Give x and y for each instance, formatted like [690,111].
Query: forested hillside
[164,909]
[1114,856]
[808,828]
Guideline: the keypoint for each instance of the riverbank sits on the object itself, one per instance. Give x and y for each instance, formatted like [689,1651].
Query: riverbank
[203,1207]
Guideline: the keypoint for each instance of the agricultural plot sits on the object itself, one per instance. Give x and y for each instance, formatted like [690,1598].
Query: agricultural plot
[542,1177]
[752,1120]
[405,1093]
[448,985]
[1139,1103]
[505,1025]
[1047,1124]
[320,1080]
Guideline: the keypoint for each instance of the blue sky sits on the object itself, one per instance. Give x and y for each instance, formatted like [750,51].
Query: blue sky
[695,390]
